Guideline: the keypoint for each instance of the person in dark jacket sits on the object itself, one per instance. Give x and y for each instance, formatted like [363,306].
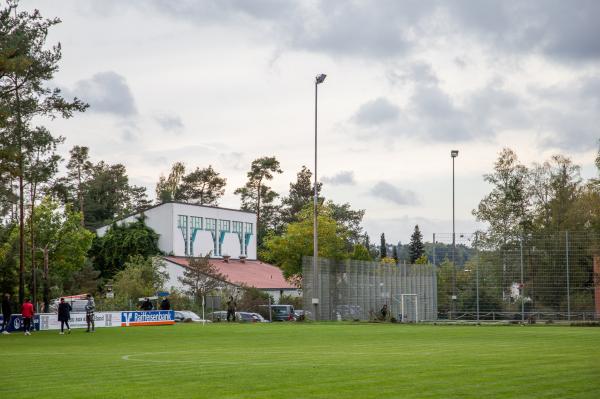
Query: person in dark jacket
[165,304]
[6,312]
[146,305]
[64,315]
[231,307]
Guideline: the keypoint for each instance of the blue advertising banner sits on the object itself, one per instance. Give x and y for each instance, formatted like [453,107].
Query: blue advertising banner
[16,323]
[147,318]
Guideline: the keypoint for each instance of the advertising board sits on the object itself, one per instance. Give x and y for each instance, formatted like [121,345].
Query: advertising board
[16,323]
[49,321]
[149,318]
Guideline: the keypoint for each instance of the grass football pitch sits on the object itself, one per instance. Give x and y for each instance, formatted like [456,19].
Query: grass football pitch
[301,360]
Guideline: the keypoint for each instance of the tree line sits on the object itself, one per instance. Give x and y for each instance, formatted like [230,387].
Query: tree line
[48,219]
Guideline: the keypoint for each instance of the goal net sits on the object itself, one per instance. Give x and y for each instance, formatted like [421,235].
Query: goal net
[409,308]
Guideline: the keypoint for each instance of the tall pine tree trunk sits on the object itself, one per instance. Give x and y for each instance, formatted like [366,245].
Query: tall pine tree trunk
[21,199]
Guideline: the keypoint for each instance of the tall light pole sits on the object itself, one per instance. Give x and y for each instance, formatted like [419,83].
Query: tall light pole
[315,300]
[453,154]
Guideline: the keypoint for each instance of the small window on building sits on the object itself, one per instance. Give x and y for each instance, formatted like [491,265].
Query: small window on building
[182,221]
[224,225]
[237,227]
[211,224]
[248,228]
[195,222]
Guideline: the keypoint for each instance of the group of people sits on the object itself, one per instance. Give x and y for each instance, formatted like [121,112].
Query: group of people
[146,304]
[64,314]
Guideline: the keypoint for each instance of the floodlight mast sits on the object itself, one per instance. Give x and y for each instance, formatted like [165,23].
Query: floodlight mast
[453,154]
[315,300]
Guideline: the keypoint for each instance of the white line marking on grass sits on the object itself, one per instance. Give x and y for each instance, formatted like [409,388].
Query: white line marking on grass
[204,361]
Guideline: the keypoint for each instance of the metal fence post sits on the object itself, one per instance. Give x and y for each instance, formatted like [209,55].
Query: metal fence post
[477,276]
[522,286]
[434,249]
[568,282]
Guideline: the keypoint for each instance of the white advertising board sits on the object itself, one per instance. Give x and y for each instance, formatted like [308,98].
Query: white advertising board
[49,321]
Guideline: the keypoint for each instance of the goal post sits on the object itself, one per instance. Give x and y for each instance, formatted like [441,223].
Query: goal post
[409,307]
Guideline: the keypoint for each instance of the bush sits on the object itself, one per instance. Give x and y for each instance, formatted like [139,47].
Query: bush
[295,301]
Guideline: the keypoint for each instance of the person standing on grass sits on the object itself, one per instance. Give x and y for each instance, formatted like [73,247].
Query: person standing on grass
[6,312]
[90,307]
[64,315]
[27,313]
[165,304]
[231,305]
[384,312]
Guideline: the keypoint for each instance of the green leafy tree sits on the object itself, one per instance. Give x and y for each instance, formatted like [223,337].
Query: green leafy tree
[258,197]
[71,188]
[350,219]
[287,250]
[169,188]
[387,261]
[416,247]
[301,194]
[201,277]
[506,208]
[422,260]
[85,280]
[9,255]
[203,187]
[140,277]
[110,252]
[360,252]
[24,96]
[41,164]
[108,195]
[61,242]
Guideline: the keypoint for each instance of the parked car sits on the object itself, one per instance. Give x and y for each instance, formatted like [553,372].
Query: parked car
[185,315]
[247,317]
[301,315]
[282,313]
[259,318]
[241,317]
[219,315]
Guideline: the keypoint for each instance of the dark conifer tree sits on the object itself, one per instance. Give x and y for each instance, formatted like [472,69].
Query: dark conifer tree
[416,247]
[383,247]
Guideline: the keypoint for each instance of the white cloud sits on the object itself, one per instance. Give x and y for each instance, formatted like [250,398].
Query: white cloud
[105,92]
[393,194]
[345,177]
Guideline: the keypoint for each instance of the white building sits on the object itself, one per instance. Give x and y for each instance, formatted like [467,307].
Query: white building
[229,235]
[195,230]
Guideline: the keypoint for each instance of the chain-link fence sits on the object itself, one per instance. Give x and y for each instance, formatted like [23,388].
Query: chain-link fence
[528,278]
[359,290]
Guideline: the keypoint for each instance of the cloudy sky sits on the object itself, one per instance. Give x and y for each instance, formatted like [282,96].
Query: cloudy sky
[226,81]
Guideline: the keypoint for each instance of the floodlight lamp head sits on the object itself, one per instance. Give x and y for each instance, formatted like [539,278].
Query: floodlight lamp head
[454,153]
[320,78]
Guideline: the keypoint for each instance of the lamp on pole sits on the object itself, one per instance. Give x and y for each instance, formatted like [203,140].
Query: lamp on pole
[315,300]
[453,154]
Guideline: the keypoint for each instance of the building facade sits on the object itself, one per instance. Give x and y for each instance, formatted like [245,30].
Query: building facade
[196,230]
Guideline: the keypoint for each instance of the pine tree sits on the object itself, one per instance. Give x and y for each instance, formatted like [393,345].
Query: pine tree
[395,254]
[27,66]
[416,247]
[383,247]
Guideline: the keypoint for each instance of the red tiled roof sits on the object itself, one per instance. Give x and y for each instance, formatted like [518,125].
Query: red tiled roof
[252,273]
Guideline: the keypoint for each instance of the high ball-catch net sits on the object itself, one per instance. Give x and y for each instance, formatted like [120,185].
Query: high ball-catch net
[358,290]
